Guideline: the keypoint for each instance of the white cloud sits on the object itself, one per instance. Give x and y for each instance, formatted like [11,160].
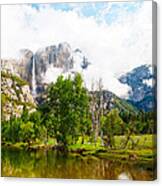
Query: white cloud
[112,49]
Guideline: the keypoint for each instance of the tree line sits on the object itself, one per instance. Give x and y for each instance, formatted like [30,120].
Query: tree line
[69,112]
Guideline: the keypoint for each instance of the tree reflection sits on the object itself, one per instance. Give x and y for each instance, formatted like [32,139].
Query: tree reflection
[50,164]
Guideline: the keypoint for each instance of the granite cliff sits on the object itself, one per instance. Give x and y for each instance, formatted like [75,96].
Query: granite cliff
[15,96]
[142,81]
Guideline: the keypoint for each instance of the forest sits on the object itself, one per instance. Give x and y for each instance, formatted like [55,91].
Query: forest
[73,119]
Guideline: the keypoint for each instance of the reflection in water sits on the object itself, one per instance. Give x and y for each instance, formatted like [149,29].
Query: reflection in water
[51,164]
[124,176]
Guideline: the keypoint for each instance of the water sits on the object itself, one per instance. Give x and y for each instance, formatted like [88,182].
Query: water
[33,78]
[52,164]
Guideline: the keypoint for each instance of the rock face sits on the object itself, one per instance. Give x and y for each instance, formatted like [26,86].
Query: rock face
[54,60]
[49,62]
[142,82]
[21,67]
[15,95]
[24,68]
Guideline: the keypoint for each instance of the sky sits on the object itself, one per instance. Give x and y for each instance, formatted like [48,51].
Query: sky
[114,36]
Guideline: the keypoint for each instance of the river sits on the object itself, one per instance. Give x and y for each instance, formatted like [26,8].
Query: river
[53,164]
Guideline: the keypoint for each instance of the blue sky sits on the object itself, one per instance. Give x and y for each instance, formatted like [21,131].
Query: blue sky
[102,11]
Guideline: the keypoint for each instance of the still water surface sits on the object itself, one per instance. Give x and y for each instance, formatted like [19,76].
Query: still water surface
[51,164]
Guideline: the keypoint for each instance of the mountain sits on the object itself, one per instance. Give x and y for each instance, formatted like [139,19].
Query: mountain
[44,66]
[142,81]
[110,101]
[15,95]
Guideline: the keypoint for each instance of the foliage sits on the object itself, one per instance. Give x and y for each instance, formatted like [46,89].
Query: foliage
[111,125]
[10,130]
[66,109]
[27,132]
[26,129]
[66,117]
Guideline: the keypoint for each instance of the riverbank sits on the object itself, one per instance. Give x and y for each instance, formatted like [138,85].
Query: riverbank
[143,150]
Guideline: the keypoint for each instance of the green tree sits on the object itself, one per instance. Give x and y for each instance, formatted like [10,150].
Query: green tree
[67,106]
[111,126]
[26,132]
[39,127]
[10,130]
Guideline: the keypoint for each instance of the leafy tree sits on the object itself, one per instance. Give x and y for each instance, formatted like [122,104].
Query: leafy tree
[26,132]
[39,128]
[10,130]
[111,126]
[67,105]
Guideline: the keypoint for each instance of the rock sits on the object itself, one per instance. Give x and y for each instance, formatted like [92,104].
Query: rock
[133,157]
[52,57]
[15,94]
[25,64]
[50,62]
[142,82]
[9,65]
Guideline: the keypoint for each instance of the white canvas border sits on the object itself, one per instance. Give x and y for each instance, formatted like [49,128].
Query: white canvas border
[51,182]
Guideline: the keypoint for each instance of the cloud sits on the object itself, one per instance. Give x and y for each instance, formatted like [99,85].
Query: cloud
[112,49]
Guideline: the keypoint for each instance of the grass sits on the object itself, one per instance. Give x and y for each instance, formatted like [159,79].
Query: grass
[142,154]
[142,141]
[144,148]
